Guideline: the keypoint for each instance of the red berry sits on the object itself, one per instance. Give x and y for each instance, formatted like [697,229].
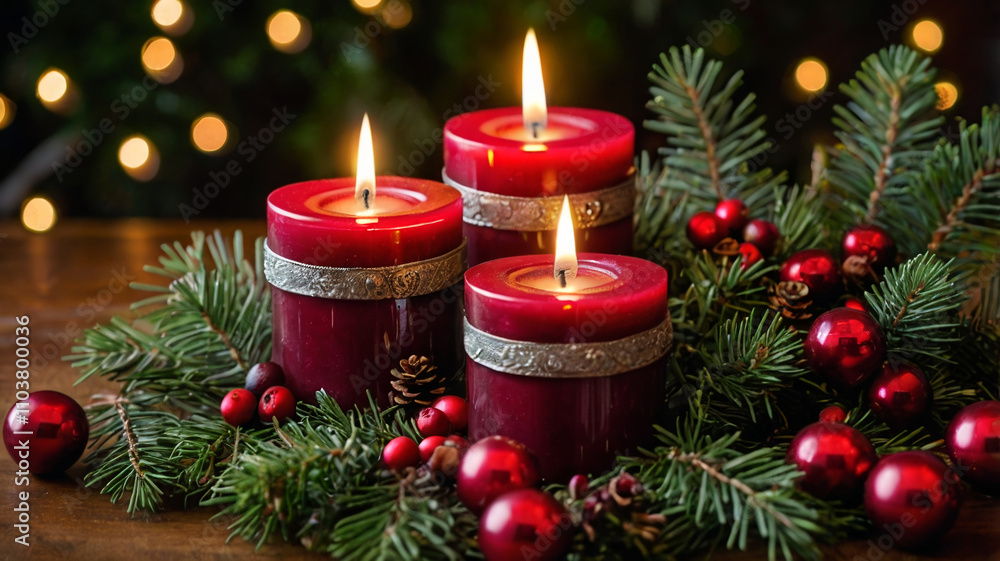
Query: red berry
[845,345]
[627,485]
[456,408]
[492,467]
[264,376]
[833,414]
[238,407]
[733,214]
[277,402]
[900,395]
[401,452]
[871,243]
[817,269]
[525,524]
[750,255]
[433,422]
[762,234]
[578,486]
[458,442]
[705,230]
[428,445]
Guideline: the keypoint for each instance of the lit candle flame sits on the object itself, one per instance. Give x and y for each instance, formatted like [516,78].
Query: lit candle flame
[565,264]
[533,107]
[364,187]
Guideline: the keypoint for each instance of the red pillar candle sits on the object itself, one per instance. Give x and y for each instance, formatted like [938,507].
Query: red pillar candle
[357,290]
[513,166]
[576,374]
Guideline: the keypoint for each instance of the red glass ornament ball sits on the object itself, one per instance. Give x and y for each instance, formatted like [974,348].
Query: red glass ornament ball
[456,408]
[705,230]
[733,214]
[48,434]
[401,452]
[855,304]
[525,524]
[239,407]
[276,403]
[750,255]
[912,497]
[817,269]
[493,466]
[845,345]
[973,440]
[833,414]
[428,445]
[900,395]
[834,458]
[762,234]
[872,242]
[433,422]
[264,376]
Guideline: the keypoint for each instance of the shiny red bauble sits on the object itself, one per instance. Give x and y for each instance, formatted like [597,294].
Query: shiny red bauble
[835,459]
[833,414]
[973,440]
[239,407]
[872,243]
[525,524]
[855,304]
[401,452]
[762,234]
[900,395]
[705,230]
[912,497]
[428,445]
[433,422]
[276,403]
[845,345]
[456,408]
[733,214]
[493,466]
[47,434]
[750,255]
[817,269]
[264,376]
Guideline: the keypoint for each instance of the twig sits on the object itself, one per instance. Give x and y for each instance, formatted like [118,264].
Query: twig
[133,441]
[881,176]
[706,132]
[909,299]
[233,352]
[969,191]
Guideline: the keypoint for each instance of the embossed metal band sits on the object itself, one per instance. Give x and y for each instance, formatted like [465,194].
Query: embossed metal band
[533,214]
[568,360]
[365,283]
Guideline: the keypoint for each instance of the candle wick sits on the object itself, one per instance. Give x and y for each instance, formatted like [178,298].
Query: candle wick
[561,275]
[534,129]
[366,194]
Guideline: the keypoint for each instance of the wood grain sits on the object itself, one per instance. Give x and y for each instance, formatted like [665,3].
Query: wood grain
[65,280]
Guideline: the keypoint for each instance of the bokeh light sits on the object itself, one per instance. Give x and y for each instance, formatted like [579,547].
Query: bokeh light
[398,14]
[7,110]
[167,12]
[288,31]
[38,214]
[811,75]
[367,6]
[52,85]
[139,157]
[928,35]
[209,133]
[947,95]
[161,60]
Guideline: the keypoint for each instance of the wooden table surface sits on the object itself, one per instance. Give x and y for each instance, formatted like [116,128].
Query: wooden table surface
[67,279]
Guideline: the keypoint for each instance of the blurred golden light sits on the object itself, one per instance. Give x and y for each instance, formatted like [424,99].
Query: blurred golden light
[38,214]
[7,110]
[367,6]
[288,31]
[158,53]
[811,75]
[167,12]
[398,14]
[209,133]
[928,35]
[52,85]
[134,152]
[947,95]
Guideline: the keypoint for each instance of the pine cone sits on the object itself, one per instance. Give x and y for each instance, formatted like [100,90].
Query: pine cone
[417,382]
[728,247]
[857,269]
[792,299]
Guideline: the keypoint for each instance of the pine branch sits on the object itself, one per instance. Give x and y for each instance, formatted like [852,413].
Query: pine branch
[886,131]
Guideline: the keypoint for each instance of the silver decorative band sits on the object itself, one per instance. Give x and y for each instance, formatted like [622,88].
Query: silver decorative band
[568,360]
[365,283]
[533,214]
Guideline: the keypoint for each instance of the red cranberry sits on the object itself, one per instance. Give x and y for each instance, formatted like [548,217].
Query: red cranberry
[428,445]
[264,376]
[750,255]
[401,452]
[733,214]
[238,407]
[705,230]
[433,422]
[276,403]
[762,234]
[833,414]
[456,408]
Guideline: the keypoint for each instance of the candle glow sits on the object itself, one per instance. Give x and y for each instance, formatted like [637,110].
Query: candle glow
[364,186]
[565,266]
[533,108]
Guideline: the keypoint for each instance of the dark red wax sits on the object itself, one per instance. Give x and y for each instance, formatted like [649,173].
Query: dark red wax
[340,345]
[582,150]
[573,425]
